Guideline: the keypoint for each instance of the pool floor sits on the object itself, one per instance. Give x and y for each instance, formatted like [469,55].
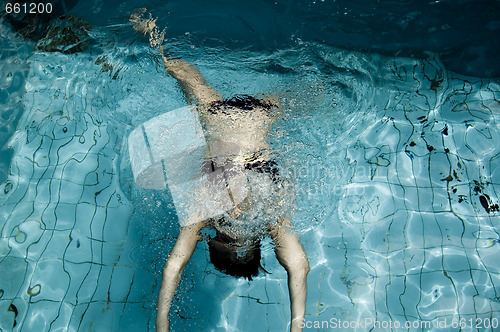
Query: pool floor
[396,167]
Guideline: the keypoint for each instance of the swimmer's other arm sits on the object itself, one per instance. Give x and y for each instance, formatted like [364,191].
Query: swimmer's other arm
[292,256]
[172,271]
[190,79]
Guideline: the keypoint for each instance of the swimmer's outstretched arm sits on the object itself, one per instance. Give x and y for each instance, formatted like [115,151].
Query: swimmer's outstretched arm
[190,79]
[292,256]
[172,271]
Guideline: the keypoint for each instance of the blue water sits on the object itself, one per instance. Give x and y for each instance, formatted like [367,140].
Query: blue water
[393,160]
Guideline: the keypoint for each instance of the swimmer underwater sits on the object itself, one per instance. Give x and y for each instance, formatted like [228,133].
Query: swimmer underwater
[232,251]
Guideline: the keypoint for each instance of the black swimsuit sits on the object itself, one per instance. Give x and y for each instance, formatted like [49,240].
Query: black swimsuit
[263,166]
[255,164]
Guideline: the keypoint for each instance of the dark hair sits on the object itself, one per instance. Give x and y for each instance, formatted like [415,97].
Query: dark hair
[242,102]
[225,257]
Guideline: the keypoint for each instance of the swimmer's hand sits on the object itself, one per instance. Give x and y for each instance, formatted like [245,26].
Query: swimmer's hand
[235,212]
[147,26]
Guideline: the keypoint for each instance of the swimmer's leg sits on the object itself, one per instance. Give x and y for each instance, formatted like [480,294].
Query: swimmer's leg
[190,79]
[172,271]
[292,256]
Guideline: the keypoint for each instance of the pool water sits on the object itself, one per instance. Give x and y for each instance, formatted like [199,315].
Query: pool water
[393,161]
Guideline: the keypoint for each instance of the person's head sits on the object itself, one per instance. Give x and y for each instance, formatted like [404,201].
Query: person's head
[235,258]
